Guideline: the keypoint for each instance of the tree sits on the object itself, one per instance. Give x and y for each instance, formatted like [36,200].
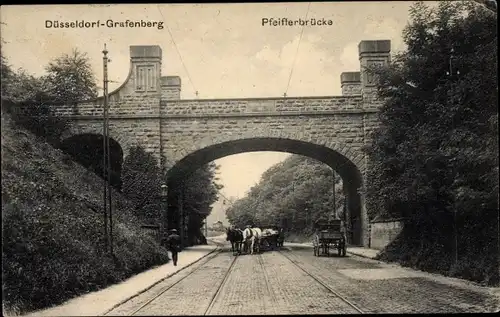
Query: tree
[141,183]
[6,73]
[434,158]
[30,100]
[25,98]
[201,191]
[70,78]
[291,194]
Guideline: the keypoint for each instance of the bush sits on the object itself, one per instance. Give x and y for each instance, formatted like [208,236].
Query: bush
[52,224]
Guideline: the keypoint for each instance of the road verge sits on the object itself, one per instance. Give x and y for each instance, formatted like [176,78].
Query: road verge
[103,301]
[216,247]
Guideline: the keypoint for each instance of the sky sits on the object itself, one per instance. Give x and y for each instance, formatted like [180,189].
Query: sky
[219,50]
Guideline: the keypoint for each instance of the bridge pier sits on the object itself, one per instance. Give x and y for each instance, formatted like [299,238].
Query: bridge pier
[353,216]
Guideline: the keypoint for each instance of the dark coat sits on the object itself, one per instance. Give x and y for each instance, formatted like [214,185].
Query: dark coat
[173,242]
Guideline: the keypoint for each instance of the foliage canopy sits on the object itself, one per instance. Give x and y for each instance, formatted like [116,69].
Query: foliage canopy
[434,159]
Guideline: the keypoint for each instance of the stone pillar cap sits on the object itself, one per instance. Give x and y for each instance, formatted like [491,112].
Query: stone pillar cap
[379,46]
[350,77]
[170,81]
[141,51]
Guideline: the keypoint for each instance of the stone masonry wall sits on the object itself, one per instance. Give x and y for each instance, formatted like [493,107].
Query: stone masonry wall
[351,89]
[170,93]
[383,233]
[127,132]
[119,104]
[260,105]
[194,134]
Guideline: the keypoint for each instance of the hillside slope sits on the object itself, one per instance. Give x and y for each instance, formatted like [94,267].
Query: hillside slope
[53,227]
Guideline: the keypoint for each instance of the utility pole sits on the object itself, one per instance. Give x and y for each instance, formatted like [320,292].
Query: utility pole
[107,154]
[104,150]
[455,224]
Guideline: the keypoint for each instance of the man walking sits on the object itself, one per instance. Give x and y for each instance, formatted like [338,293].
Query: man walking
[281,237]
[173,244]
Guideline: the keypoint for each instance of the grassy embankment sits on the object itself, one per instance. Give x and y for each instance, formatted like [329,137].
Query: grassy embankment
[53,227]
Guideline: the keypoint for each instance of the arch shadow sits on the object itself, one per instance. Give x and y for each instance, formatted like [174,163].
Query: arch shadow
[348,171]
[87,150]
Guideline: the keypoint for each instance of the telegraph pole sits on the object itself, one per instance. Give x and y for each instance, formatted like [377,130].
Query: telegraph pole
[107,159]
[108,152]
[455,224]
[104,149]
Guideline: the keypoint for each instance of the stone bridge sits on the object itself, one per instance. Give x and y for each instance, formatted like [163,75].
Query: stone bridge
[147,110]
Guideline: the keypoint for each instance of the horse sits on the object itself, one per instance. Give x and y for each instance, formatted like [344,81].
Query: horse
[252,236]
[236,237]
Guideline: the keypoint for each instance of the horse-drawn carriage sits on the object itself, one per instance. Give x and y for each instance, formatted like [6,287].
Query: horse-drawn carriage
[329,234]
[269,239]
[252,240]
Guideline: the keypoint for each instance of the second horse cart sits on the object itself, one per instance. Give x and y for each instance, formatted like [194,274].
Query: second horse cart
[329,234]
[269,239]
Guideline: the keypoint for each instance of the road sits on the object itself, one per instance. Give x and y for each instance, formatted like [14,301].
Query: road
[293,281]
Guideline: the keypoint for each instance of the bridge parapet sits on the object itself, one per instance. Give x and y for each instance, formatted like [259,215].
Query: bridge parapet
[260,105]
[146,93]
[170,88]
[139,94]
[350,83]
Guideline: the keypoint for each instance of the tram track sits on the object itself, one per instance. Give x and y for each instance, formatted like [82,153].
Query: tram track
[144,306]
[219,288]
[331,290]
[266,279]
[219,248]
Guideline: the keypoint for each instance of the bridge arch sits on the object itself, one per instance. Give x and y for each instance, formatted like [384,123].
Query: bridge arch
[87,149]
[96,128]
[179,152]
[347,162]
